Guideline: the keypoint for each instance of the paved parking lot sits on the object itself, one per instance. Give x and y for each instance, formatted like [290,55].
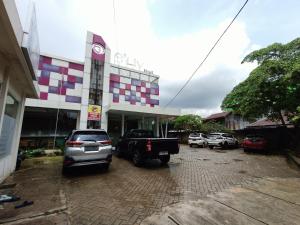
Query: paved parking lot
[127,195]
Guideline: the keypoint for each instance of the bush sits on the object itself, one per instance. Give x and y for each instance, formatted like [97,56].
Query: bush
[34,153]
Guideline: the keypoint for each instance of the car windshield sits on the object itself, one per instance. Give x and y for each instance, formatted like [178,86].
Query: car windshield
[194,135]
[213,135]
[227,135]
[257,137]
[90,136]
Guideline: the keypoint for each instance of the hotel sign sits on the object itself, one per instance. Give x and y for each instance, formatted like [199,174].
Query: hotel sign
[94,112]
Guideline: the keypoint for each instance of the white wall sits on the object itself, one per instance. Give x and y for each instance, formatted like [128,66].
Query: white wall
[8,162]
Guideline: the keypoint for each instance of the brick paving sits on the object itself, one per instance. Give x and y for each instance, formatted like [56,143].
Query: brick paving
[127,195]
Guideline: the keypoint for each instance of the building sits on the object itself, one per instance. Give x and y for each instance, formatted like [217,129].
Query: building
[91,94]
[229,120]
[19,50]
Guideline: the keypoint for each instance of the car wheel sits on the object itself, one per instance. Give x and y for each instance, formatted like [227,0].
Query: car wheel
[225,145]
[191,145]
[65,170]
[137,158]
[246,150]
[236,145]
[211,147]
[164,159]
[106,166]
[118,152]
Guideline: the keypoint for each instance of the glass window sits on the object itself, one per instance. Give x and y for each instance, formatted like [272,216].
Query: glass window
[9,124]
[89,136]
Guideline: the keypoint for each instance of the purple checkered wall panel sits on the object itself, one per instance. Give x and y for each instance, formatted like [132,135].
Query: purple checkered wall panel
[133,91]
[60,78]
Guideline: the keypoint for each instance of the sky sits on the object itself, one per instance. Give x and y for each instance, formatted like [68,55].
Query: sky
[170,38]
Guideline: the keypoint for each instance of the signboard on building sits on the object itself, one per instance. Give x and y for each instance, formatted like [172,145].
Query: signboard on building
[98,48]
[94,112]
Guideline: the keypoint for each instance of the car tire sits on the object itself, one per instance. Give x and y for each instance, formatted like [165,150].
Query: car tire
[191,146]
[246,150]
[225,145]
[106,166]
[164,159]
[118,152]
[65,170]
[137,158]
[211,147]
[236,145]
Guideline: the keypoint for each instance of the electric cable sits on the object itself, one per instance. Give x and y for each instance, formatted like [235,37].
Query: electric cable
[207,55]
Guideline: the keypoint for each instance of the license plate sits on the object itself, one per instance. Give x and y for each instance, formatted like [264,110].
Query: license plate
[164,153]
[91,148]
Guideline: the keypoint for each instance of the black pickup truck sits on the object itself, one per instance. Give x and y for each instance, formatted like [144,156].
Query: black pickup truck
[141,144]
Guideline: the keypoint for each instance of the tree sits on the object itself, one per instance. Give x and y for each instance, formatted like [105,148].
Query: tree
[209,127]
[188,122]
[272,87]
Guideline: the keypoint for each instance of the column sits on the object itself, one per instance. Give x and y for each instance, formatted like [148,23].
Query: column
[3,95]
[157,126]
[123,124]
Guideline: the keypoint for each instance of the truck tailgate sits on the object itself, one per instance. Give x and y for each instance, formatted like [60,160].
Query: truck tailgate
[165,144]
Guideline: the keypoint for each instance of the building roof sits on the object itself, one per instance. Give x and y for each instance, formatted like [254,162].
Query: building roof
[217,116]
[265,122]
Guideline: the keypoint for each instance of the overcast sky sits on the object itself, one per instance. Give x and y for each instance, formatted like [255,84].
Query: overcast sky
[171,37]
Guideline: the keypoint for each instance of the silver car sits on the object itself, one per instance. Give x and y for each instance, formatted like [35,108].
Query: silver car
[87,147]
[223,140]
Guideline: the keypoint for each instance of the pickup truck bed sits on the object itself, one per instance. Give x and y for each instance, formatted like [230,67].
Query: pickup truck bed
[141,148]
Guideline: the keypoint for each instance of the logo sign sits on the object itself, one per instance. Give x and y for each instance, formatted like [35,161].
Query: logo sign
[98,49]
[94,112]
[123,60]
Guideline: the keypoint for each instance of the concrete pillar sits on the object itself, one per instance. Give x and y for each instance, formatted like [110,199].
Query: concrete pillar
[78,120]
[123,124]
[3,95]
[143,122]
[157,126]
[17,134]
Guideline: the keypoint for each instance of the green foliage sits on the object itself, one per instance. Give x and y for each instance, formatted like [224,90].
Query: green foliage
[296,117]
[34,153]
[273,86]
[210,127]
[188,122]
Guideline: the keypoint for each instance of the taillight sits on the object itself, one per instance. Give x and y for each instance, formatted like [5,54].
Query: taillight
[73,143]
[149,146]
[107,142]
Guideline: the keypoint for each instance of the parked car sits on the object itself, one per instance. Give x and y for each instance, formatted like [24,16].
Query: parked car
[222,140]
[254,142]
[87,147]
[141,145]
[198,139]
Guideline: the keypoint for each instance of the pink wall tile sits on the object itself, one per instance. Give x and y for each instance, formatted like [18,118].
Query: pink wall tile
[71,79]
[44,81]
[128,86]
[115,77]
[44,95]
[76,66]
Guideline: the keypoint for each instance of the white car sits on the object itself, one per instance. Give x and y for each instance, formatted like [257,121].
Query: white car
[222,140]
[198,139]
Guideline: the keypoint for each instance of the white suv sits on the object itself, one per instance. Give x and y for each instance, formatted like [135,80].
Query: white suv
[198,139]
[223,140]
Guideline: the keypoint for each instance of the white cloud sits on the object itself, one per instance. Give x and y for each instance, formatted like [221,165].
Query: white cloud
[63,26]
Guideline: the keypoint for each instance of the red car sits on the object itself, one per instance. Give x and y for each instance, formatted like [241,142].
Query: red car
[254,142]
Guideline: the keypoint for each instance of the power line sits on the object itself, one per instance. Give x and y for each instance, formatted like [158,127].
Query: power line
[207,55]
